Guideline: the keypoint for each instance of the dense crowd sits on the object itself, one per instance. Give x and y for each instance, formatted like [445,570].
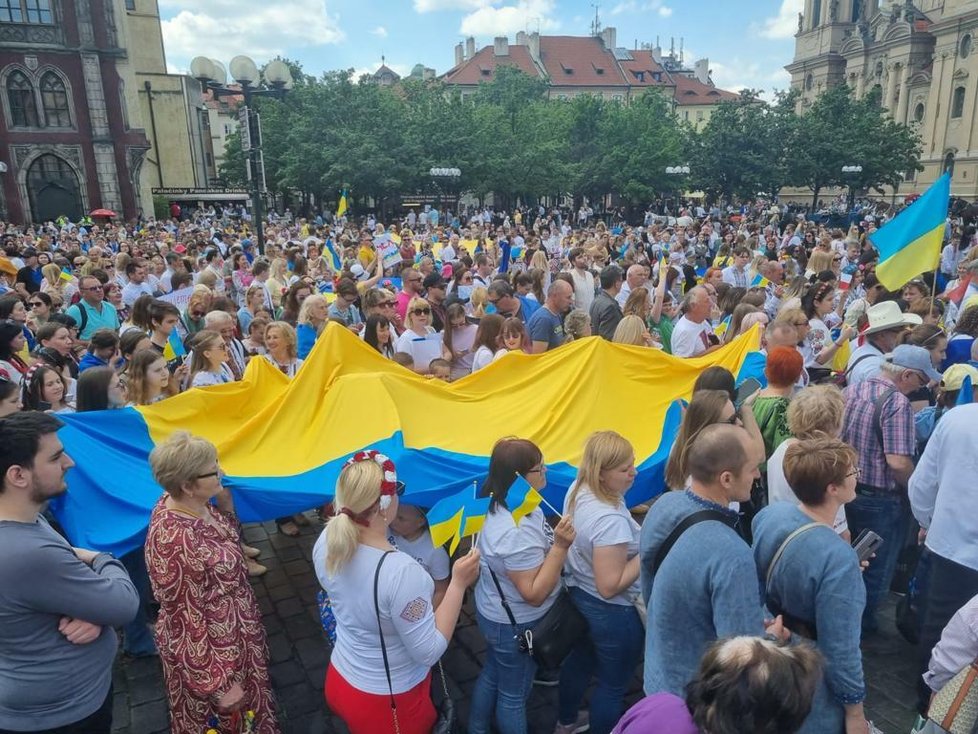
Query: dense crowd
[739,591]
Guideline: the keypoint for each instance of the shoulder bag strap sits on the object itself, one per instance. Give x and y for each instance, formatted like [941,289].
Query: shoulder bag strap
[878,412]
[686,523]
[858,360]
[502,598]
[777,556]
[383,646]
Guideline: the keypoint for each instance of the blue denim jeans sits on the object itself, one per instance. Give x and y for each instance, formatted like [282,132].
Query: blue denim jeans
[138,640]
[888,516]
[505,682]
[612,652]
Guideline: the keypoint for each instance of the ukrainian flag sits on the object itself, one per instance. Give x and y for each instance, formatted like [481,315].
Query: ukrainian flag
[910,244]
[174,347]
[282,443]
[343,205]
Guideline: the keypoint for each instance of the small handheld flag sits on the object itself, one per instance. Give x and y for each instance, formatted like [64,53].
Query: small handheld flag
[65,275]
[343,205]
[522,499]
[457,517]
[174,348]
[760,282]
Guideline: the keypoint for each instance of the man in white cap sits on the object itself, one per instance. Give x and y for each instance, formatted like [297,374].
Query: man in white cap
[879,424]
[886,326]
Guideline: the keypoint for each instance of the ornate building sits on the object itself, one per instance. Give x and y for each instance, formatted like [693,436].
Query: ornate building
[65,133]
[921,59]
[593,65]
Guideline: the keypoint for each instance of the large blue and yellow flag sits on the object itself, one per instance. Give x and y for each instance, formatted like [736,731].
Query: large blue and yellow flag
[282,443]
[910,244]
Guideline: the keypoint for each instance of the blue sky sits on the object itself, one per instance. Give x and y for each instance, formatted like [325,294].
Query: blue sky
[747,41]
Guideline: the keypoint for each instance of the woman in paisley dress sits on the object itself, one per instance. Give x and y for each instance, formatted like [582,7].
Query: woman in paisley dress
[209,633]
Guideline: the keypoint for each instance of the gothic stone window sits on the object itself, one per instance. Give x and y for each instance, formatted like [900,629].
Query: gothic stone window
[957,102]
[20,97]
[26,11]
[54,96]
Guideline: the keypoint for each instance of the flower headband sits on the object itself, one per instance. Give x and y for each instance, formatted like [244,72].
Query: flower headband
[389,486]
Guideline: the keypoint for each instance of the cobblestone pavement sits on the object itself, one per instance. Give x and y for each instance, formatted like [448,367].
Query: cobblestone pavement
[299,655]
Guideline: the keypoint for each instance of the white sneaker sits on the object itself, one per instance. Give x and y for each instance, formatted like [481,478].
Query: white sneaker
[582,724]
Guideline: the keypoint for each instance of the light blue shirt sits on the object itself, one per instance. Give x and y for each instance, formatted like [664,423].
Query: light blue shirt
[705,590]
[943,493]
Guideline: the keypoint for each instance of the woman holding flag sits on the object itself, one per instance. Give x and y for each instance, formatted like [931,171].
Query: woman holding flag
[522,558]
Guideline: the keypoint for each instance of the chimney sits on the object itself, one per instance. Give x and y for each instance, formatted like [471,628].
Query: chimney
[608,38]
[500,46]
[521,38]
[701,70]
[459,54]
[657,54]
[469,47]
[534,45]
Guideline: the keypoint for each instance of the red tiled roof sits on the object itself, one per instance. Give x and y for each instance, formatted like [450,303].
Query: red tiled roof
[579,61]
[641,70]
[482,66]
[690,91]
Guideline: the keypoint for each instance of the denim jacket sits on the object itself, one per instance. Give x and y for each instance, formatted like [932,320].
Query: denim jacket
[817,579]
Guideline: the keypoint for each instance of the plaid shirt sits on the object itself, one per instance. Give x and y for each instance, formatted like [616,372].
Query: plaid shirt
[859,432]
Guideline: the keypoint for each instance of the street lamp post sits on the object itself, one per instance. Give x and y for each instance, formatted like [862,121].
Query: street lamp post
[854,172]
[244,71]
[449,174]
[678,171]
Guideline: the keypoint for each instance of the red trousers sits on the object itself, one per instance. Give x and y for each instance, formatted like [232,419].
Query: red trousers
[370,713]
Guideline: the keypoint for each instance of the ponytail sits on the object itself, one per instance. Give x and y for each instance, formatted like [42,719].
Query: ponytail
[341,543]
[357,498]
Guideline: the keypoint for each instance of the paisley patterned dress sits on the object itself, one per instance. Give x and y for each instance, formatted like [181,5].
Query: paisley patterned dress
[209,632]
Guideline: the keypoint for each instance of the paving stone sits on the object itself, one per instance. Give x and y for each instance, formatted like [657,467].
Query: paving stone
[286,674]
[300,699]
[254,535]
[312,654]
[145,689]
[279,648]
[149,718]
[289,607]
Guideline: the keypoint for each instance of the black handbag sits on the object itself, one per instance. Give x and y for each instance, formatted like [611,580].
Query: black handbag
[447,722]
[554,635]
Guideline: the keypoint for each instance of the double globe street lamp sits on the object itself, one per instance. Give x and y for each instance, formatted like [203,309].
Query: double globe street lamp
[277,82]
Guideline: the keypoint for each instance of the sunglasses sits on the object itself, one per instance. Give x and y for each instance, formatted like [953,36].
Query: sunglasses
[32,304]
[421,311]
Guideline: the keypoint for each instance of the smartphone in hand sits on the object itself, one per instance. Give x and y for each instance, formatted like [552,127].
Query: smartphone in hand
[747,388]
[867,544]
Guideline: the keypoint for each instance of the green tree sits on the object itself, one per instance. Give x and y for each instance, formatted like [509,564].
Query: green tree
[233,169]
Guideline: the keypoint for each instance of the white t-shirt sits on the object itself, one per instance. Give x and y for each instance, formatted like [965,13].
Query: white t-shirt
[778,489]
[598,525]
[433,560]
[583,289]
[690,339]
[406,617]
[418,347]
[483,356]
[506,546]
[819,337]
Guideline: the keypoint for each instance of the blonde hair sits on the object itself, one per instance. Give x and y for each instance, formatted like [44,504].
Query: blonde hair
[207,278]
[820,261]
[288,336]
[179,460]
[603,450]
[478,301]
[816,411]
[415,302]
[307,305]
[52,274]
[539,260]
[203,341]
[357,490]
[629,331]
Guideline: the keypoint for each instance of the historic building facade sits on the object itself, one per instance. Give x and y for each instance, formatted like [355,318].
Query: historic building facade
[65,134]
[593,65]
[920,57]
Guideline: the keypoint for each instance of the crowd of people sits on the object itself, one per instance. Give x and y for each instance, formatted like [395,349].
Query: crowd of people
[738,592]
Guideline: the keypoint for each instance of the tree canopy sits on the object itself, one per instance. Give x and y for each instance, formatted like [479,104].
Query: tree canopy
[333,132]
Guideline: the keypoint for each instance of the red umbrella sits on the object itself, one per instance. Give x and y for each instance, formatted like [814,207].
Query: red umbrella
[103,213]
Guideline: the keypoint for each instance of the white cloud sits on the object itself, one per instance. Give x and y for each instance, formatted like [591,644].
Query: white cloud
[429,6]
[739,75]
[633,6]
[401,70]
[223,29]
[785,23]
[665,11]
[380,31]
[506,20]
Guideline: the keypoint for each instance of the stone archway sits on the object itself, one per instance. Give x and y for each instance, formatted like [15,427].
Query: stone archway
[52,190]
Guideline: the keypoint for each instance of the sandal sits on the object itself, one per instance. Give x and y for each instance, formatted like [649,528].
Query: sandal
[289,528]
[250,552]
[301,519]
